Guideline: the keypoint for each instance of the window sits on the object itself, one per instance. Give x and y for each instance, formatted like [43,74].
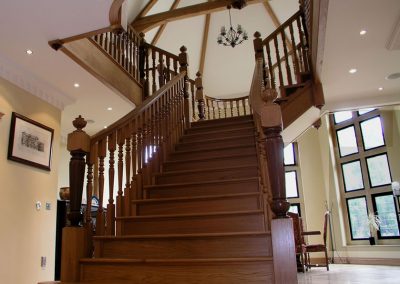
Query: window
[358,215]
[372,134]
[385,208]
[347,141]
[360,151]
[292,178]
[352,176]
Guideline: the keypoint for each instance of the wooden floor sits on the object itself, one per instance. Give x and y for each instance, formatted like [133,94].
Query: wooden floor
[349,273]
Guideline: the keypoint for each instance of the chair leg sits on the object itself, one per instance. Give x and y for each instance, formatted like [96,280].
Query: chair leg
[302,262]
[326,259]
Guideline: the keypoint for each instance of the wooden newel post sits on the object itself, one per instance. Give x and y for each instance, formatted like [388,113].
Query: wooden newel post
[271,122]
[75,243]
[200,96]
[183,62]
[78,145]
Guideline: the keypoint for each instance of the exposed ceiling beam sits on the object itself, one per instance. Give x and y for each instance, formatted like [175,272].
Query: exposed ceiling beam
[204,43]
[146,9]
[147,23]
[162,28]
[115,12]
[276,22]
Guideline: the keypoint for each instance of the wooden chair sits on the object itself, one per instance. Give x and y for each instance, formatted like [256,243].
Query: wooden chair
[318,247]
[298,241]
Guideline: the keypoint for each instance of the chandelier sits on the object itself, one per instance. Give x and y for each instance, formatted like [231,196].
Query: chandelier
[231,36]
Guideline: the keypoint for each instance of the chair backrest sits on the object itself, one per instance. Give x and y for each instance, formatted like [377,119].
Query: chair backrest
[326,220]
[298,238]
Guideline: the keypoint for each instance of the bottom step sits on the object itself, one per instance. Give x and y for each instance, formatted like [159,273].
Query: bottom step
[179,271]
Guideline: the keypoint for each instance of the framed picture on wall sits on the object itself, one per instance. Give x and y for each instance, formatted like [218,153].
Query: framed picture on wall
[30,142]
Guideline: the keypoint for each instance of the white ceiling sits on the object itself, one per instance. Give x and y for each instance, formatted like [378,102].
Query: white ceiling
[27,24]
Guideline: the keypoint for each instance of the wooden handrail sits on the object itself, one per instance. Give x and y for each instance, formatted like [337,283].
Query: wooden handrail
[137,111]
[286,24]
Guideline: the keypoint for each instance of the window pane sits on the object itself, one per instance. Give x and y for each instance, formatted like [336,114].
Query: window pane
[352,176]
[378,170]
[347,141]
[291,184]
[365,110]
[358,215]
[288,154]
[295,208]
[341,116]
[372,133]
[386,211]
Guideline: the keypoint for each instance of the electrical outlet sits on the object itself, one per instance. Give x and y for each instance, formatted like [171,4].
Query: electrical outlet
[43,261]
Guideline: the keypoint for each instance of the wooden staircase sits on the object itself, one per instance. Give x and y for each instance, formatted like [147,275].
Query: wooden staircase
[201,222]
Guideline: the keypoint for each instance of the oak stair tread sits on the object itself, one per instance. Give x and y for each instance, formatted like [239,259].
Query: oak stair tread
[218,139]
[176,260]
[180,236]
[247,145]
[218,121]
[206,158]
[217,169]
[201,197]
[211,125]
[166,186]
[217,131]
[190,215]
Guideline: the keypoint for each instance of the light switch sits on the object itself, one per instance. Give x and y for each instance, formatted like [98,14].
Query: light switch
[48,206]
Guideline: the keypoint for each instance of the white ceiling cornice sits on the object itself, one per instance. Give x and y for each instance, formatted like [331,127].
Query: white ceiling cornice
[14,73]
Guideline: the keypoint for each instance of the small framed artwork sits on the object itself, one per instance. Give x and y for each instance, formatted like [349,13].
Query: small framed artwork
[30,142]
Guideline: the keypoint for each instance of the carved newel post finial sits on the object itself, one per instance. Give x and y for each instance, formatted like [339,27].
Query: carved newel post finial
[199,95]
[258,46]
[78,145]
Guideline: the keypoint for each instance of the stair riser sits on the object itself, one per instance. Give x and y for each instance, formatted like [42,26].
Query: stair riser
[209,175]
[220,122]
[204,189]
[239,203]
[192,225]
[219,134]
[245,150]
[211,163]
[217,247]
[216,143]
[257,272]
[208,128]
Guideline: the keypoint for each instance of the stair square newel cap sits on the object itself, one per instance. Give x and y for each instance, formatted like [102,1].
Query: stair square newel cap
[78,140]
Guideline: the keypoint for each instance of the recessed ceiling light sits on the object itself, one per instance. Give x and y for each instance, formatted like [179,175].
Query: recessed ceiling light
[363,32]
[380,88]
[29,52]
[353,70]
[76,85]
[109,108]
[105,126]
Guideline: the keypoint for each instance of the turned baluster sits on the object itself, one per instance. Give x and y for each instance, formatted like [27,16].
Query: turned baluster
[167,71]
[127,52]
[161,71]
[100,40]
[101,148]
[231,107]
[143,64]
[183,62]
[278,61]
[120,142]
[285,52]
[193,99]
[295,58]
[78,145]
[244,106]
[90,161]
[200,95]
[304,47]
[134,192]
[139,157]
[112,141]
[110,43]
[153,71]
[127,191]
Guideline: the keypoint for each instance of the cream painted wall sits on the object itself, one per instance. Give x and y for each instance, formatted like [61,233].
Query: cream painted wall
[320,184]
[26,234]
[313,183]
